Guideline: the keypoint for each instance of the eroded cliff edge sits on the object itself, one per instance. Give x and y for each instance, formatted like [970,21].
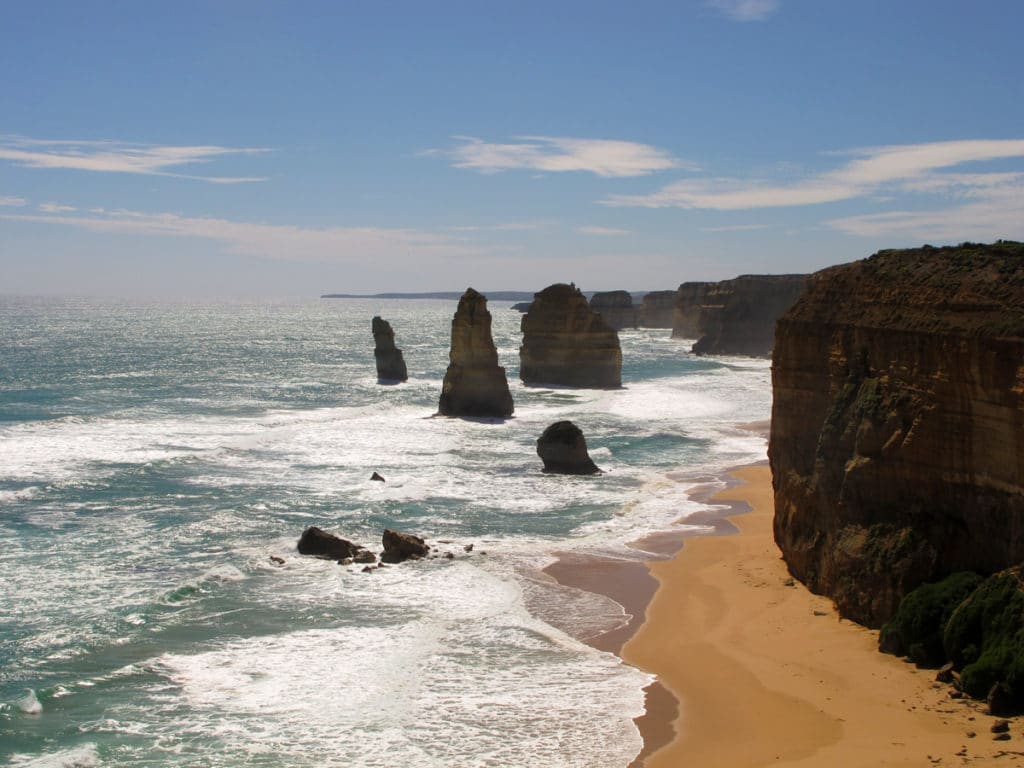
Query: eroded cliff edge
[897,439]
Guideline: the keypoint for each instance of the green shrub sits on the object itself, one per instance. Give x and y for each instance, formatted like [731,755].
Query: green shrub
[985,637]
[917,628]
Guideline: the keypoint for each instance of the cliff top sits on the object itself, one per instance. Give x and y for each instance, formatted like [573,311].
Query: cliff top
[968,289]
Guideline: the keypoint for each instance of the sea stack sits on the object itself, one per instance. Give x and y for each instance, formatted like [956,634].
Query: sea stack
[656,309]
[474,384]
[686,311]
[616,307]
[566,343]
[390,363]
[563,449]
[897,432]
[738,316]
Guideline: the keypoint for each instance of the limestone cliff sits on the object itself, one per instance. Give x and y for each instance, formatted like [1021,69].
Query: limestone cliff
[390,363]
[897,438]
[474,384]
[616,308]
[738,316]
[656,309]
[686,311]
[565,343]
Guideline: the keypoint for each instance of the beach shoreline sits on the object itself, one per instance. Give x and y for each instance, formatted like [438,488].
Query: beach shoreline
[754,670]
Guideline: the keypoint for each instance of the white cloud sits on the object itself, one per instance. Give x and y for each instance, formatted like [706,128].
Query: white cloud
[12,201]
[746,10]
[735,228]
[272,241]
[904,167]
[602,231]
[609,158]
[56,208]
[993,214]
[119,157]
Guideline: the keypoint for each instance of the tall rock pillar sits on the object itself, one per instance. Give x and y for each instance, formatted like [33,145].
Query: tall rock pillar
[474,384]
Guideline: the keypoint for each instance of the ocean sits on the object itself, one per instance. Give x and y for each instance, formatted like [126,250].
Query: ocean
[155,455]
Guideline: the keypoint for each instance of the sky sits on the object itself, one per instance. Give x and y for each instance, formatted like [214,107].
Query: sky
[276,149]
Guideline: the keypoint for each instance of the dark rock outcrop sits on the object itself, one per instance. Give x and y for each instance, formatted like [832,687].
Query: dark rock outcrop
[565,343]
[399,547]
[657,309]
[563,449]
[686,310]
[897,433]
[474,384]
[390,363]
[616,308]
[522,306]
[377,477]
[319,543]
[738,316]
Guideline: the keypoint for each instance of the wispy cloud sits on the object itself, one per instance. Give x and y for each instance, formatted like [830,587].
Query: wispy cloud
[272,241]
[991,212]
[904,168]
[11,200]
[602,231]
[120,157]
[609,158]
[56,208]
[735,228]
[746,10]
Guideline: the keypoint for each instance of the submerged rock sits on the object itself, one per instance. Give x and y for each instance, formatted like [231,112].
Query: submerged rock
[318,543]
[390,363]
[563,449]
[566,343]
[402,546]
[474,384]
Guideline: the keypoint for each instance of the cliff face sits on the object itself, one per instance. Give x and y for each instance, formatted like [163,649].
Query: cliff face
[390,363]
[656,309]
[686,310]
[565,343]
[474,384]
[897,439]
[738,316]
[616,308]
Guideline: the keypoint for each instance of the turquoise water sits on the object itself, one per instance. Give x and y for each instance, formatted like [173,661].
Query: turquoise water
[154,456]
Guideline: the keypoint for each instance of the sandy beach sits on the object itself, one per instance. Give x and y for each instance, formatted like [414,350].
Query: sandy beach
[754,670]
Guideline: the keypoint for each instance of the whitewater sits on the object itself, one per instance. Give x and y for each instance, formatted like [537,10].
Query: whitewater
[156,455]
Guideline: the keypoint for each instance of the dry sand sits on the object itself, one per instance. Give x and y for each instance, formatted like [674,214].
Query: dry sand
[766,674]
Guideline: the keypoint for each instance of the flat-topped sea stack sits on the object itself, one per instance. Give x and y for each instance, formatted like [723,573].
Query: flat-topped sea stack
[474,384]
[738,316]
[657,308]
[686,310]
[897,433]
[390,363]
[616,308]
[566,343]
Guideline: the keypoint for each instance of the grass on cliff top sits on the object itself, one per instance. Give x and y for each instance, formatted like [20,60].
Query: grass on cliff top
[971,288]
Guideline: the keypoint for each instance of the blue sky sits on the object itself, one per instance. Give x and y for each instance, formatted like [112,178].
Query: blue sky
[292,149]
